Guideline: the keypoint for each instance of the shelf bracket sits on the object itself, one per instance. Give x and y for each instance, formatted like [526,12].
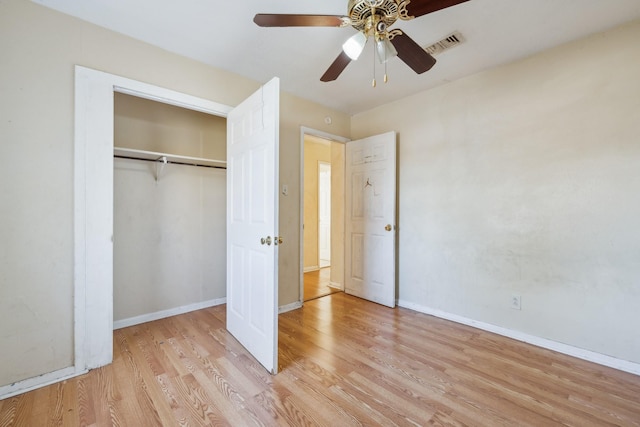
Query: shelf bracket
[160,164]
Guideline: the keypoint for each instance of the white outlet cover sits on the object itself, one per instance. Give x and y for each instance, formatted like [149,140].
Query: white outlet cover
[516,302]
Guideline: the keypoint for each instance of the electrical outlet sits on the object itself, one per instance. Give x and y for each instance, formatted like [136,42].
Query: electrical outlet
[515,302]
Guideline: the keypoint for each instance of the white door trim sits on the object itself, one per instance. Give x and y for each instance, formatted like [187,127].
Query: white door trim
[93,215]
[93,203]
[335,138]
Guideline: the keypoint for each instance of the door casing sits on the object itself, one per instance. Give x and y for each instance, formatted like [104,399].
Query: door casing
[330,137]
[93,203]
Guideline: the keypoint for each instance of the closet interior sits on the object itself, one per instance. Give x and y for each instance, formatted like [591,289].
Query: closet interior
[169,206]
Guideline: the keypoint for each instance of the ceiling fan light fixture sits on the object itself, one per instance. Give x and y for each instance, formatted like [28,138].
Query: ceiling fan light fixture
[385,50]
[354,46]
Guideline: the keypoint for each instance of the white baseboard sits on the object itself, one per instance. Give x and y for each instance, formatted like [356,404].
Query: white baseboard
[311,268]
[39,381]
[119,324]
[290,307]
[591,356]
[336,285]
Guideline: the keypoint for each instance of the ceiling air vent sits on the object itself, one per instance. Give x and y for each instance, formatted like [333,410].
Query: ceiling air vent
[447,43]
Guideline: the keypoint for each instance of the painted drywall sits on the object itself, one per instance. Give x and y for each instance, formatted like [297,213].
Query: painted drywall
[169,246]
[315,150]
[39,50]
[152,126]
[525,180]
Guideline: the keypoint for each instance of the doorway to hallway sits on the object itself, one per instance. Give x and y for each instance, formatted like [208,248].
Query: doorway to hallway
[316,284]
[322,212]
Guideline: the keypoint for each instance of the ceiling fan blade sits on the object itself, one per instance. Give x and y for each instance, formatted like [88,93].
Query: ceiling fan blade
[284,20]
[336,68]
[412,53]
[417,8]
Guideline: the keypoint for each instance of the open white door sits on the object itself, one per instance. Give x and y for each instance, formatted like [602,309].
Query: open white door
[370,254]
[252,224]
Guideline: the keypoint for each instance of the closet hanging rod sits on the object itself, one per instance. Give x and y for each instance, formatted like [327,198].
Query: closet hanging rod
[172,162]
[152,156]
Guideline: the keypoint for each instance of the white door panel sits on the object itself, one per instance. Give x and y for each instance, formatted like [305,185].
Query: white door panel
[371,217]
[252,213]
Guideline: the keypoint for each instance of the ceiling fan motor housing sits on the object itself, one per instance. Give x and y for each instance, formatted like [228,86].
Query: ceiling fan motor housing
[366,14]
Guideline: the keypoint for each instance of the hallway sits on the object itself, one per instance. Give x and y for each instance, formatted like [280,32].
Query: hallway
[316,284]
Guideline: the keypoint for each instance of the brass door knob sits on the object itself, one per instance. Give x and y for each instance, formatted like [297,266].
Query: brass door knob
[388,227]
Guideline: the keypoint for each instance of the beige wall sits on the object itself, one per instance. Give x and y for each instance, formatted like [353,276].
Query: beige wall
[525,180]
[39,50]
[169,247]
[315,150]
[152,126]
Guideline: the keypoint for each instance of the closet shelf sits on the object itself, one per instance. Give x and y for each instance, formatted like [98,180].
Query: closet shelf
[130,153]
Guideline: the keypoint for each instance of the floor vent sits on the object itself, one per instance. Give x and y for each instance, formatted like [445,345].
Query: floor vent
[447,43]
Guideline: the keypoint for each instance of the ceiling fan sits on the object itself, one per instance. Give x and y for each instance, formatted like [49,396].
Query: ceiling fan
[371,18]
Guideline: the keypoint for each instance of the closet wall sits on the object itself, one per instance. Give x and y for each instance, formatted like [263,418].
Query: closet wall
[169,233]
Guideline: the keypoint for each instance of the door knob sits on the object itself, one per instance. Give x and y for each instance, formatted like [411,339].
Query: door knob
[266,241]
[388,227]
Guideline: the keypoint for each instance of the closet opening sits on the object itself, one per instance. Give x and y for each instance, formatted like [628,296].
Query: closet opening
[169,207]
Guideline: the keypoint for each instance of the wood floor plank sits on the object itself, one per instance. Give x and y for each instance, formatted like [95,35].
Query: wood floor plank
[282,411]
[147,394]
[69,402]
[317,284]
[344,361]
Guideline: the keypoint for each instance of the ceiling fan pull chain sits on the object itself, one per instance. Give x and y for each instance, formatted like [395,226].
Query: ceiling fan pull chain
[385,67]
[373,83]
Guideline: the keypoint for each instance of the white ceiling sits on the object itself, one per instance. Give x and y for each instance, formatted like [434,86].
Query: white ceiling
[222,34]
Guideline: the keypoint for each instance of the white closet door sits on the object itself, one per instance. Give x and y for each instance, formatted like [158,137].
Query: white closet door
[252,224]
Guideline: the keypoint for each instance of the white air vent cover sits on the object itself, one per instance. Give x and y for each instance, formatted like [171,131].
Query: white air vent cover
[447,43]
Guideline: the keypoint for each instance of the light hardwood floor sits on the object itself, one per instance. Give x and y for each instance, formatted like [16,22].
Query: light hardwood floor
[316,284]
[343,362]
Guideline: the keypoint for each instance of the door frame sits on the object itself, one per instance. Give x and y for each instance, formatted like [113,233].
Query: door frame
[330,137]
[93,203]
[93,215]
